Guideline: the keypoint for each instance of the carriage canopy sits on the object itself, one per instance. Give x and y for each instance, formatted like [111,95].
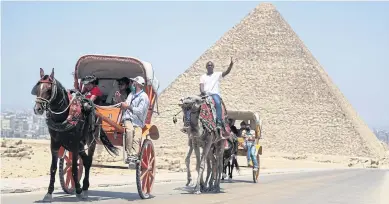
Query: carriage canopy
[248,116]
[109,68]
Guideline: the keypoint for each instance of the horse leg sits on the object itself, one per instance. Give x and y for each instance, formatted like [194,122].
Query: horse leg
[54,146]
[231,167]
[87,161]
[75,171]
[207,146]
[187,162]
[225,165]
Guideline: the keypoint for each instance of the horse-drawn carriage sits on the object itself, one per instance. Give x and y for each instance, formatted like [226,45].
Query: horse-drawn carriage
[108,69]
[253,120]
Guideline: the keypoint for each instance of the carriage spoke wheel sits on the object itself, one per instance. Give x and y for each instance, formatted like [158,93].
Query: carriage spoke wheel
[256,173]
[65,172]
[145,170]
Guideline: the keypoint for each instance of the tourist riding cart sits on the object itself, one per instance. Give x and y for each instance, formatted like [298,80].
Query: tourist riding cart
[108,69]
[253,120]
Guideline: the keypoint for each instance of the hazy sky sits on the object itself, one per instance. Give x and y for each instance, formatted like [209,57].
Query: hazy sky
[350,40]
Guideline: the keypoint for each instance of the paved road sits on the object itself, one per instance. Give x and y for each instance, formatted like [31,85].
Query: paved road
[321,187]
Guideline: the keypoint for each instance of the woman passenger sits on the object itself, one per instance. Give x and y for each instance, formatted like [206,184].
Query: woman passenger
[124,90]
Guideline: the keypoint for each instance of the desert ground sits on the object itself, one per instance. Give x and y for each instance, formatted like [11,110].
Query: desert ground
[27,158]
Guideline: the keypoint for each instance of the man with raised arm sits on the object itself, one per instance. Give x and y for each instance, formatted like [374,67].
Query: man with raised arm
[134,116]
[209,85]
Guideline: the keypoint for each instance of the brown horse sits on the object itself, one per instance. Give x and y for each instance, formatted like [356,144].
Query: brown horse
[70,119]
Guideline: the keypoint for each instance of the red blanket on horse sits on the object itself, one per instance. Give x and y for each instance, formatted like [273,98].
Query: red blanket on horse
[74,110]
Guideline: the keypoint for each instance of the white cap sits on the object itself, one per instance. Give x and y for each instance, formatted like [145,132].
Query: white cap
[140,80]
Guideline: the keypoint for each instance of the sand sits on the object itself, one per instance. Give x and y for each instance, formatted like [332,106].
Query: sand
[24,158]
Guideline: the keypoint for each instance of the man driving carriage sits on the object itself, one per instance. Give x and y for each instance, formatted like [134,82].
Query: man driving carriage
[209,85]
[134,116]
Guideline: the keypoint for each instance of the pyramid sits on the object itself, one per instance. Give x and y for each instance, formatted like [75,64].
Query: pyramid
[303,112]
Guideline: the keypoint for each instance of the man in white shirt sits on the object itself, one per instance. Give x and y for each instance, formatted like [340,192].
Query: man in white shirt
[209,85]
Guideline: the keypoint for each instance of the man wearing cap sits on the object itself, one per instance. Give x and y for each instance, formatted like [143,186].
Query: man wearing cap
[209,85]
[134,116]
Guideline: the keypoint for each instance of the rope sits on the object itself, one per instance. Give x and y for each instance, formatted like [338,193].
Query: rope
[110,106]
[59,113]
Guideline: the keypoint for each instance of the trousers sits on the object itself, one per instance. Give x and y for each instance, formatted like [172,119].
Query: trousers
[218,106]
[133,133]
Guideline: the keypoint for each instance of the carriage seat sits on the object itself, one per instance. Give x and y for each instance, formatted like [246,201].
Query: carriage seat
[112,113]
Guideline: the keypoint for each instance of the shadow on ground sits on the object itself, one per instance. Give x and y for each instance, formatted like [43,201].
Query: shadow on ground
[94,195]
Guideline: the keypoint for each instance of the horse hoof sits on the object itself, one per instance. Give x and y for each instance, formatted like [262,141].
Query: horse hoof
[84,195]
[48,198]
[197,192]
[80,195]
[188,183]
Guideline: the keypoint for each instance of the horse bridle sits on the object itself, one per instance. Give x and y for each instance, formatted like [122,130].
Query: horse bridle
[45,103]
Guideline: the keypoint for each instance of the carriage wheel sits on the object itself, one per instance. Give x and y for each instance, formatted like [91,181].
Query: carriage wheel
[256,173]
[65,172]
[145,169]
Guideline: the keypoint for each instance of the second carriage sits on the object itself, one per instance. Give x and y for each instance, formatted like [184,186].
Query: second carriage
[253,120]
[108,69]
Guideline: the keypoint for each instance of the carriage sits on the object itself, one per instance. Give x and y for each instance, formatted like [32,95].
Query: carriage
[253,120]
[108,69]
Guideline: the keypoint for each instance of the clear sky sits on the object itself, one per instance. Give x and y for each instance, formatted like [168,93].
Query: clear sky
[350,40]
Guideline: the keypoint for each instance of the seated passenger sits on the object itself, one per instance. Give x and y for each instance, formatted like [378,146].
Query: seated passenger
[91,90]
[242,129]
[124,90]
[120,91]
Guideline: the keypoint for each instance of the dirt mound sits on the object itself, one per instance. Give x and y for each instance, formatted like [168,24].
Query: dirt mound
[16,149]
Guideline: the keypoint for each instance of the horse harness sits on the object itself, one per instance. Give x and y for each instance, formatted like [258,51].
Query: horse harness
[75,105]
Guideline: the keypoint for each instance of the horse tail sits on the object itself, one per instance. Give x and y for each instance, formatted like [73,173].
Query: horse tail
[107,144]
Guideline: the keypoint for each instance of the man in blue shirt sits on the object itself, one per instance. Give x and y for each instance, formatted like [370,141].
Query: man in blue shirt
[134,115]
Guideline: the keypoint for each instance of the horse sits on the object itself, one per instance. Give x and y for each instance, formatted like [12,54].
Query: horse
[70,120]
[229,157]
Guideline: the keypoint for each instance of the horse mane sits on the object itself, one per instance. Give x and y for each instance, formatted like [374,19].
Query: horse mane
[59,85]
[60,88]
